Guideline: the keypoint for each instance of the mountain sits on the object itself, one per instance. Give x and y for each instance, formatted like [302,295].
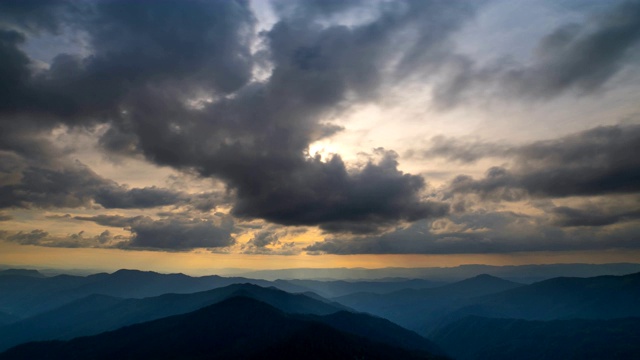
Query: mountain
[7,319]
[413,308]
[378,329]
[337,288]
[21,272]
[98,313]
[25,296]
[518,273]
[476,338]
[237,328]
[601,297]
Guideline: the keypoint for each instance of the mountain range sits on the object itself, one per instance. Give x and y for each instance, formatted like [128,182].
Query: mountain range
[482,317]
[504,339]
[236,328]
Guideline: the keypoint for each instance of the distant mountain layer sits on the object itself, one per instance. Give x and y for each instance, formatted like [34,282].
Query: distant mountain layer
[6,319]
[25,296]
[413,308]
[602,297]
[21,272]
[478,338]
[341,287]
[98,313]
[518,273]
[236,328]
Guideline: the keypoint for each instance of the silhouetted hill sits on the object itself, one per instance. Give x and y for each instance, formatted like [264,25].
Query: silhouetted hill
[378,329]
[25,296]
[98,313]
[602,297]
[21,272]
[483,338]
[237,328]
[518,273]
[340,287]
[413,308]
[6,319]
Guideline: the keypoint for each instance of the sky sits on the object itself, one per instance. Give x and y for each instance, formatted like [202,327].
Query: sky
[199,135]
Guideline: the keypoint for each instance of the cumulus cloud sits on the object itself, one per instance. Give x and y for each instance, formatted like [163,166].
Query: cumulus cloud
[63,184]
[40,237]
[173,233]
[481,233]
[187,99]
[598,161]
[567,216]
[194,86]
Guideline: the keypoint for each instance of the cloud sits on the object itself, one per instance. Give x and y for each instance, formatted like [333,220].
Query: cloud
[604,212]
[594,162]
[62,184]
[461,150]
[263,238]
[325,193]
[40,237]
[577,217]
[268,242]
[175,83]
[174,233]
[193,86]
[581,56]
[574,57]
[481,232]
[133,45]
[35,15]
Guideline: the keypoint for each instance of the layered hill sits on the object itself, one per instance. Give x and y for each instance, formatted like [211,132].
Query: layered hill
[98,313]
[414,308]
[23,295]
[236,328]
[476,338]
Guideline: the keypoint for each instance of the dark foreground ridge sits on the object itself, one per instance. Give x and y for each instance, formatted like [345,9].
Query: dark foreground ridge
[236,328]
[505,339]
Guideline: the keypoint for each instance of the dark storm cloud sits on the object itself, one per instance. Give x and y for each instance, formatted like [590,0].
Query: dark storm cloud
[33,15]
[578,57]
[264,238]
[34,237]
[71,185]
[149,64]
[480,233]
[599,161]
[78,240]
[326,193]
[267,242]
[148,197]
[177,234]
[174,233]
[593,216]
[113,220]
[189,46]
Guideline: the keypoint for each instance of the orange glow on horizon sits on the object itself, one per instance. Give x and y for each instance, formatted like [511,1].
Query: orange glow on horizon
[203,262]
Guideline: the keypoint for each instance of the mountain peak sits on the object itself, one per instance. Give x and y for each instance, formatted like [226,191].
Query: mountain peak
[486,278]
[22,272]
